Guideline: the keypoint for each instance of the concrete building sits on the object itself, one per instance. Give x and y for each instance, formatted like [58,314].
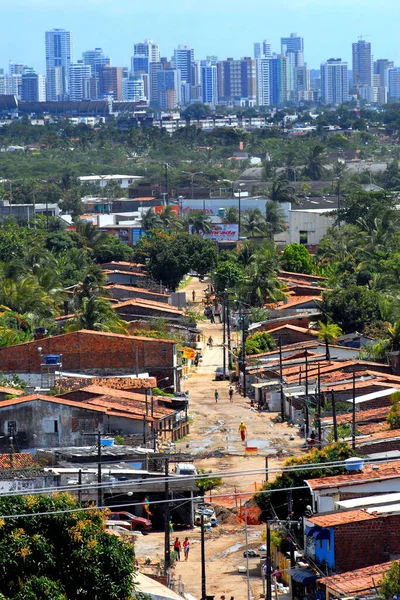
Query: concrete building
[209,82]
[33,88]
[102,180]
[96,59]
[263,81]
[362,63]
[59,55]
[393,83]
[111,83]
[183,58]
[237,81]
[79,73]
[144,53]
[169,88]
[334,82]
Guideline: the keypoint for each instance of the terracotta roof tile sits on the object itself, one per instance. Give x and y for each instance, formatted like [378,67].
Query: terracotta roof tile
[341,517]
[11,390]
[20,460]
[129,288]
[363,416]
[302,276]
[356,582]
[161,306]
[389,470]
[293,301]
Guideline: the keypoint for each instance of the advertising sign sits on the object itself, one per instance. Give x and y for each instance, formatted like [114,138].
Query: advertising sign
[221,232]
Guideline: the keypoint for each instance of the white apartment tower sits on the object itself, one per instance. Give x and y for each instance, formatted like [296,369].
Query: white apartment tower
[59,56]
[334,82]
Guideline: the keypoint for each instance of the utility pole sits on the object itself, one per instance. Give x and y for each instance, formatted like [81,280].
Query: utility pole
[246,533]
[281,379]
[228,331]
[244,357]
[307,427]
[268,561]
[353,428]
[224,336]
[319,408]
[203,560]
[335,435]
[80,486]
[166,182]
[99,482]
[167,551]
[266,469]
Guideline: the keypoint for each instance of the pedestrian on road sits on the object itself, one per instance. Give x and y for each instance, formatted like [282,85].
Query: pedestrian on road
[216,395]
[212,318]
[177,548]
[193,296]
[230,393]
[186,548]
[242,429]
[210,341]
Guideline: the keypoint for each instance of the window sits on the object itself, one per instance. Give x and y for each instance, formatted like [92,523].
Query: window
[303,237]
[50,425]
[10,427]
[87,425]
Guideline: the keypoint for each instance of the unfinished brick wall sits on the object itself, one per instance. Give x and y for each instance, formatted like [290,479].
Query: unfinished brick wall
[90,351]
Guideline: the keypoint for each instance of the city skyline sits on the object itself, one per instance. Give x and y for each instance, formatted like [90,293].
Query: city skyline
[117,27]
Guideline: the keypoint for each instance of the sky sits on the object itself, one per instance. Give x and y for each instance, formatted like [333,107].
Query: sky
[212,27]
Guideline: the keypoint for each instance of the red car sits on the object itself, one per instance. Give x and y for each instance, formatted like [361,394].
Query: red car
[137,523]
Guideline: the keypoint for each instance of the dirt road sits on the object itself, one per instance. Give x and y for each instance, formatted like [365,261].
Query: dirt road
[215,430]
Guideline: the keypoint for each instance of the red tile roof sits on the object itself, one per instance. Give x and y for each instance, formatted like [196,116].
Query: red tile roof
[341,517]
[356,582]
[11,390]
[363,416]
[21,460]
[293,301]
[389,470]
[143,302]
[130,288]
[302,276]
[293,328]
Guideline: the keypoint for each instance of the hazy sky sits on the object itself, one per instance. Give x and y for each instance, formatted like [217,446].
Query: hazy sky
[221,27]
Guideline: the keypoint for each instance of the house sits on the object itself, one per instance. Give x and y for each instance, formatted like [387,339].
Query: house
[125,292]
[341,541]
[372,479]
[137,309]
[294,304]
[19,472]
[94,353]
[291,334]
[38,421]
[354,584]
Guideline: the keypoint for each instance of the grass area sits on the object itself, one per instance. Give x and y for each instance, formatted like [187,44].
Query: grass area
[184,283]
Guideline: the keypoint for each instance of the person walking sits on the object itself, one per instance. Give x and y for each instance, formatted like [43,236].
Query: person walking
[193,296]
[242,429]
[186,548]
[230,393]
[216,396]
[212,318]
[177,548]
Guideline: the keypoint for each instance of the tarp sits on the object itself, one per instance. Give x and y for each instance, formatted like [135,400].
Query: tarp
[304,576]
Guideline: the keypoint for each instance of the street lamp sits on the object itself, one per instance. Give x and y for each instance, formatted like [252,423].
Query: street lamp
[192,176]
[239,191]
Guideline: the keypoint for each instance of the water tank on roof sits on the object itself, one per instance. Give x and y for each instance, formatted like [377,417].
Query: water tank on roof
[221,212]
[52,359]
[354,464]
[107,442]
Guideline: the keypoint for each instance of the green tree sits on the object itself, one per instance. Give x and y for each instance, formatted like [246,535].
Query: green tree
[254,223]
[282,190]
[227,275]
[259,343]
[206,484]
[275,219]
[393,417]
[389,586]
[196,110]
[151,220]
[199,222]
[96,314]
[314,168]
[296,259]
[351,308]
[231,215]
[62,555]
[329,333]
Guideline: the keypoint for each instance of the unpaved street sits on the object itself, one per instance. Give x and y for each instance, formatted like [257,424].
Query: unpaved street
[214,431]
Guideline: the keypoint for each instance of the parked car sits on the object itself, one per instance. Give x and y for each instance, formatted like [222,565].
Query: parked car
[137,523]
[251,553]
[207,510]
[186,469]
[219,374]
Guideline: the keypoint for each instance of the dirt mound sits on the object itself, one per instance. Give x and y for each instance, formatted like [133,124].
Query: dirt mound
[227,516]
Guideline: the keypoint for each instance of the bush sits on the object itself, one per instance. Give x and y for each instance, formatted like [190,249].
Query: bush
[259,343]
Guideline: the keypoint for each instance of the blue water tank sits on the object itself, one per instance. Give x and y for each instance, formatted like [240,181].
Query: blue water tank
[221,212]
[52,359]
[354,464]
[107,442]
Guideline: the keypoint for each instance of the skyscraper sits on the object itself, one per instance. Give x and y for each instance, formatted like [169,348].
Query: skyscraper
[59,55]
[111,83]
[209,82]
[237,81]
[183,58]
[380,68]
[169,88]
[393,77]
[144,53]
[362,63]
[334,81]
[33,88]
[263,81]
[294,45]
[79,74]
[96,59]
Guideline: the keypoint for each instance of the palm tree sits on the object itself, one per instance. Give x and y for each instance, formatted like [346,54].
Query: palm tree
[231,215]
[200,222]
[262,280]
[254,223]
[314,168]
[246,254]
[289,166]
[25,297]
[329,333]
[283,191]
[275,220]
[151,220]
[92,284]
[170,219]
[98,315]
[94,238]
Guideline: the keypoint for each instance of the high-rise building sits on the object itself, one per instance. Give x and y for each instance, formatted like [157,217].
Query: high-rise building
[362,63]
[262,50]
[263,81]
[96,59]
[209,82]
[59,55]
[111,83]
[393,79]
[293,45]
[15,68]
[237,81]
[380,68]
[79,73]
[279,78]
[144,53]
[33,88]
[169,88]
[301,84]
[133,88]
[183,58]
[334,81]
[155,68]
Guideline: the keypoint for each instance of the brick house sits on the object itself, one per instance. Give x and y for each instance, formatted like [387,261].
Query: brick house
[126,292]
[361,582]
[95,352]
[347,540]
